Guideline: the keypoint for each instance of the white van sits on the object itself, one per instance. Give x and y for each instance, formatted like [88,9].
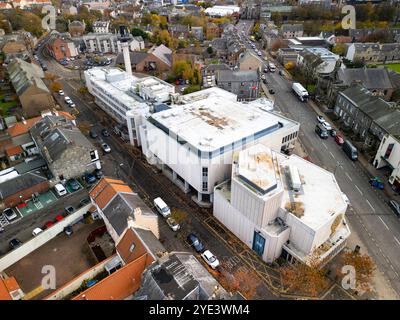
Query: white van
[61,191]
[162,207]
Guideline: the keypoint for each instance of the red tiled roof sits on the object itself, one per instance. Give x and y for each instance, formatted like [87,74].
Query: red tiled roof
[22,127]
[106,189]
[14,151]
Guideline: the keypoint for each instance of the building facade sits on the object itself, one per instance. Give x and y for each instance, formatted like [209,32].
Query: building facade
[244,84]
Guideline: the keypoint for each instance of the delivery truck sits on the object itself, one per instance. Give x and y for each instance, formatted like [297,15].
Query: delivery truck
[299,90]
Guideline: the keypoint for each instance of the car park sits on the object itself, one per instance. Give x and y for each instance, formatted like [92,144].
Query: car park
[36,231]
[195,242]
[395,206]
[10,214]
[89,178]
[162,207]
[60,190]
[173,224]
[14,243]
[106,148]
[210,259]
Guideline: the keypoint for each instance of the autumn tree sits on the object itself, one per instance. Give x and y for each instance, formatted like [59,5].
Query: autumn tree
[247,282]
[163,37]
[178,215]
[290,65]
[55,86]
[305,279]
[363,265]
[339,48]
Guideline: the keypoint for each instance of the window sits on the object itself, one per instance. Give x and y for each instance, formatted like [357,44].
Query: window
[205,172]
[205,185]
[132,247]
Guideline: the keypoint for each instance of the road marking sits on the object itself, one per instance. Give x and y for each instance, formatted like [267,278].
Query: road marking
[348,176]
[383,223]
[325,145]
[373,209]
[359,189]
[397,240]
[332,155]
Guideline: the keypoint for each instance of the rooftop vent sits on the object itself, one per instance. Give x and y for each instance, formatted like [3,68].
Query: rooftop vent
[295,181]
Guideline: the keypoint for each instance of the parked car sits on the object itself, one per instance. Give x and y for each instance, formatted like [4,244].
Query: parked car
[350,150]
[327,126]
[175,226]
[339,139]
[9,213]
[84,201]
[333,133]
[271,91]
[68,230]
[36,231]
[98,173]
[321,131]
[60,92]
[162,207]
[106,148]
[14,243]
[89,178]
[93,133]
[211,260]
[70,209]
[73,184]
[320,119]
[72,105]
[105,133]
[67,99]
[195,242]
[395,206]
[265,70]
[263,77]
[60,190]
[48,224]
[58,218]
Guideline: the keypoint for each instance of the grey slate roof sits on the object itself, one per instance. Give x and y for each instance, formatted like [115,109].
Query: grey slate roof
[33,165]
[292,27]
[20,183]
[239,76]
[136,57]
[371,78]
[121,207]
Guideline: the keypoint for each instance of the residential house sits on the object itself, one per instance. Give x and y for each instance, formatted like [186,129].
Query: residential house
[198,33]
[24,4]
[179,31]
[300,43]
[69,9]
[179,276]
[136,44]
[22,187]
[317,62]
[228,49]
[60,48]
[212,31]
[117,205]
[5,6]
[210,72]
[374,52]
[376,80]
[370,118]
[292,30]
[359,35]
[67,151]
[286,55]
[248,61]
[101,27]
[245,84]
[76,28]
[33,94]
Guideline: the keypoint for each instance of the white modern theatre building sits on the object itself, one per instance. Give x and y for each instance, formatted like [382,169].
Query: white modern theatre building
[282,205]
[126,98]
[193,142]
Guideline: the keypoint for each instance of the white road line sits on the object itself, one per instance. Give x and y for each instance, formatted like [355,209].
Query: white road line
[359,190]
[348,176]
[383,223]
[373,209]
[397,240]
[332,155]
[325,145]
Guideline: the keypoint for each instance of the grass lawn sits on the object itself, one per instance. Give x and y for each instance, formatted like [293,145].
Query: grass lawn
[393,66]
[6,105]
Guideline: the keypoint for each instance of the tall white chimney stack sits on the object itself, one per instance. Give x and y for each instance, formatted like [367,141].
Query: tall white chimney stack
[127,57]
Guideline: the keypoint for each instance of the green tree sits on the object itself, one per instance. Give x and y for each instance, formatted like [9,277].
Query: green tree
[137,32]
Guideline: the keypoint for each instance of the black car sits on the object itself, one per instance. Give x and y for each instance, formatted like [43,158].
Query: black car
[98,174]
[395,206]
[68,230]
[73,184]
[195,242]
[93,133]
[14,243]
[271,91]
[105,133]
[70,209]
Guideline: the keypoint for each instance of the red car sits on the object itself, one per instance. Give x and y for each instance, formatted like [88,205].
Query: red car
[339,139]
[48,224]
[59,218]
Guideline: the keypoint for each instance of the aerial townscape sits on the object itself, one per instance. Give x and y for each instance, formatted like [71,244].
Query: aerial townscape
[228,150]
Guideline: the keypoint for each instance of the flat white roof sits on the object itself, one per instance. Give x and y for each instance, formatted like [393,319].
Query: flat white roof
[320,195]
[212,118]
